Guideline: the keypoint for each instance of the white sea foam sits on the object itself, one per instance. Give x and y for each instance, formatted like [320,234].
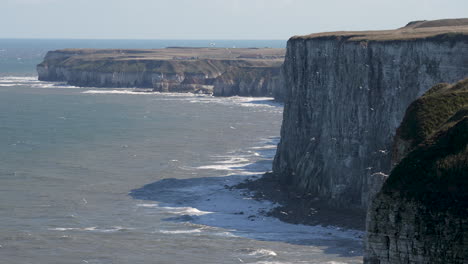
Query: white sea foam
[137,91]
[185,211]
[17,79]
[265,147]
[93,228]
[263,253]
[272,262]
[233,160]
[256,102]
[131,92]
[230,163]
[46,85]
[180,231]
[33,82]
[148,205]
[73,228]
[225,234]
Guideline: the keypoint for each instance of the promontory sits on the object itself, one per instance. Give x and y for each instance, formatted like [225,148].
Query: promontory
[221,71]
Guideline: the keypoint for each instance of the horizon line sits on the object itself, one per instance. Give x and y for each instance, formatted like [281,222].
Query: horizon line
[201,39]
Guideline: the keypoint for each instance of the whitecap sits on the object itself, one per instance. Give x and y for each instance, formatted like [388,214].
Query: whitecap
[266,147]
[93,228]
[185,211]
[147,205]
[180,231]
[263,253]
[131,92]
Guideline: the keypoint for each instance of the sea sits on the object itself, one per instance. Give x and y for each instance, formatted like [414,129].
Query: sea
[101,176]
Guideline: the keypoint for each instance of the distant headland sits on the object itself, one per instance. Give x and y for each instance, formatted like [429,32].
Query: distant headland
[219,71]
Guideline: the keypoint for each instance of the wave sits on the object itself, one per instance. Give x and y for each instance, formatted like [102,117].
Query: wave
[261,252]
[91,229]
[185,211]
[131,92]
[180,231]
[138,91]
[18,79]
[148,205]
[266,103]
[33,82]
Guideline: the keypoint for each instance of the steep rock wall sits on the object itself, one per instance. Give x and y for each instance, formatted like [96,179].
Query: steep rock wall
[345,99]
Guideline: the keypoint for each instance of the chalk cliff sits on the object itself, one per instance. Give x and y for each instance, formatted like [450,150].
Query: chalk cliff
[201,70]
[347,92]
[248,81]
[421,213]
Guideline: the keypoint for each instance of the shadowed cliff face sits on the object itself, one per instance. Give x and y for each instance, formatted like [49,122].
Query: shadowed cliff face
[200,70]
[344,101]
[421,213]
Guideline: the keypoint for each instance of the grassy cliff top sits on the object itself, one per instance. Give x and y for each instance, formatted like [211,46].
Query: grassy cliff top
[435,172]
[437,29]
[425,115]
[176,53]
[168,60]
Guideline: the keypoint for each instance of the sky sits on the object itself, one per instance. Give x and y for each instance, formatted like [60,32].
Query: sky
[211,19]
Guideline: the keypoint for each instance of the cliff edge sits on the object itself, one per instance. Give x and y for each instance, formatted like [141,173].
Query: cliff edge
[346,94]
[421,213]
[200,70]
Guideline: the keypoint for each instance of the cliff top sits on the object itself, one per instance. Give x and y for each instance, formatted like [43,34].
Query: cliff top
[414,30]
[168,60]
[176,53]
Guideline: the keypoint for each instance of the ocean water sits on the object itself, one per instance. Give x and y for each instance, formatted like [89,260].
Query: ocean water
[116,176]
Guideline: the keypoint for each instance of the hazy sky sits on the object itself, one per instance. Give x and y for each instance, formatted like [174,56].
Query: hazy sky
[211,19]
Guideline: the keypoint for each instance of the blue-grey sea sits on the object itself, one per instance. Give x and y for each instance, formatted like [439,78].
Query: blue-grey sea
[91,175]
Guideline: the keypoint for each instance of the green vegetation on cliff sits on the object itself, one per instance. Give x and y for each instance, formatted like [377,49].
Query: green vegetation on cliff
[425,115]
[435,171]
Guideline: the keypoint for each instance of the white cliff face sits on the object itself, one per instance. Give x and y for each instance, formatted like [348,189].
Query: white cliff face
[261,81]
[344,101]
[163,82]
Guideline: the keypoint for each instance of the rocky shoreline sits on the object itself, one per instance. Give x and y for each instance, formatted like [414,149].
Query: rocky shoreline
[296,208]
